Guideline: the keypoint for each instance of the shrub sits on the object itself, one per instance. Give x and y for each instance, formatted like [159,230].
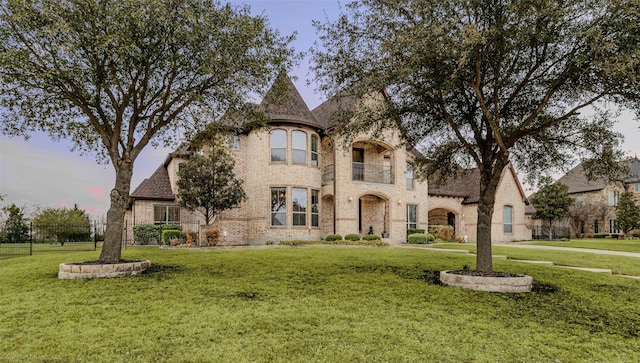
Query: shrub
[370,237]
[636,234]
[418,238]
[191,237]
[444,233]
[270,243]
[145,234]
[352,237]
[430,238]
[212,237]
[171,234]
[414,230]
[333,237]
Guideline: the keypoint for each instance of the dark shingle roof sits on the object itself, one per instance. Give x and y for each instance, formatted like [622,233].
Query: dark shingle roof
[158,186]
[466,185]
[327,112]
[291,107]
[576,178]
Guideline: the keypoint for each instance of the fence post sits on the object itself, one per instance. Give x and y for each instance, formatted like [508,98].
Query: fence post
[95,235]
[30,238]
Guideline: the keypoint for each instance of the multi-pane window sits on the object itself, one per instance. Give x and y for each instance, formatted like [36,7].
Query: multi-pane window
[614,197]
[299,147]
[412,216]
[166,214]
[234,142]
[315,208]
[409,176]
[507,218]
[613,226]
[314,150]
[278,145]
[278,206]
[596,227]
[299,197]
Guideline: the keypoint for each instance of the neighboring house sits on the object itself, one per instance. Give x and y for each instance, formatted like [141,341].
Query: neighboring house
[601,196]
[300,183]
[455,203]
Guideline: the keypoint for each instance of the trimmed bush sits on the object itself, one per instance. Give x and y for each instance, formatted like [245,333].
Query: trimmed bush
[444,233]
[371,237]
[333,237]
[418,238]
[145,234]
[212,237]
[171,234]
[352,237]
[414,230]
[430,238]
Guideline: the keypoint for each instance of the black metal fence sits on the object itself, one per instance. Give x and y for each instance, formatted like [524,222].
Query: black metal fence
[543,233]
[31,238]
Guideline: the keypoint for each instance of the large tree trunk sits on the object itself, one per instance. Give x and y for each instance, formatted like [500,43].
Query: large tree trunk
[112,247]
[489,180]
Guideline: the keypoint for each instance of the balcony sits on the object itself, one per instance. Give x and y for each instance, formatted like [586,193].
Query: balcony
[372,173]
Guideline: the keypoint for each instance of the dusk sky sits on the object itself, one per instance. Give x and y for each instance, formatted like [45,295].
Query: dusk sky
[43,172]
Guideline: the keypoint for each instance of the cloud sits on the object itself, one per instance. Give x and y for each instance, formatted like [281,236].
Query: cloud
[97,191]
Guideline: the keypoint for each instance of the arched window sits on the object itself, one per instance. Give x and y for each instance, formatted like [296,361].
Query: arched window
[507,216]
[278,145]
[299,147]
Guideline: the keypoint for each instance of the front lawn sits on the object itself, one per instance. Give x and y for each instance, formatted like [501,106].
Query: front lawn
[599,244]
[291,304]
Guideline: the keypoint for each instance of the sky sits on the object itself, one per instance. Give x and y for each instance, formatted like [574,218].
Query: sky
[41,172]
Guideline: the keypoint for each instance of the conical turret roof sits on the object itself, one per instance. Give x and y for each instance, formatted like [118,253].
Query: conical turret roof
[289,107]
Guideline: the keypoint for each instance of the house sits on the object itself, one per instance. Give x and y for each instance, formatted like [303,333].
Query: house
[455,203]
[595,200]
[302,184]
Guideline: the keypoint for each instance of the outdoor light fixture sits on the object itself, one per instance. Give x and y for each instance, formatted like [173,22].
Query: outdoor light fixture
[350,199]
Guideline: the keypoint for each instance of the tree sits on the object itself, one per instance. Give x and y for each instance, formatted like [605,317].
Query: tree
[627,213]
[15,228]
[585,212]
[209,184]
[552,202]
[63,224]
[114,76]
[485,83]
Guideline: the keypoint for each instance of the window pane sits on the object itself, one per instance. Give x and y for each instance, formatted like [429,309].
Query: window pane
[278,206]
[299,146]
[412,216]
[278,219]
[508,218]
[234,142]
[315,208]
[173,214]
[299,197]
[278,145]
[159,213]
[314,150]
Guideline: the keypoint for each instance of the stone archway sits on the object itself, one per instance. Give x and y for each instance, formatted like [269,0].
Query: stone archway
[373,214]
[443,217]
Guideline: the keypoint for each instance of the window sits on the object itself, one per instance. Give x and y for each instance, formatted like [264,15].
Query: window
[315,208]
[299,147]
[299,196]
[234,142]
[166,214]
[278,206]
[314,150]
[409,176]
[278,145]
[614,196]
[357,158]
[636,188]
[613,226]
[596,228]
[579,200]
[412,216]
[507,216]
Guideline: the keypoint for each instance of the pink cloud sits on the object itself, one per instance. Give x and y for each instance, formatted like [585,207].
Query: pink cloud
[96,191]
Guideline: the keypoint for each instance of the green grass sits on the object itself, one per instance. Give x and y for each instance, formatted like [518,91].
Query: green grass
[289,304]
[617,264]
[599,244]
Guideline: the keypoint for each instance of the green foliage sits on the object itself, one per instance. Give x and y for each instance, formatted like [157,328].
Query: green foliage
[352,237]
[62,225]
[15,228]
[333,237]
[627,213]
[370,237]
[552,201]
[418,238]
[169,235]
[114,76]
[209,184]
[414,230]
[151,233]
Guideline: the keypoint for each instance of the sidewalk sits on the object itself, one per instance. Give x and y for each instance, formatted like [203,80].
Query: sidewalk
[572,249]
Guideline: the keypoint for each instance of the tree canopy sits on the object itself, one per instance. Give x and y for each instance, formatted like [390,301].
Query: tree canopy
[627,213]
[208,183]
[486,83]
[63,224]
[114,76]
[552,202]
